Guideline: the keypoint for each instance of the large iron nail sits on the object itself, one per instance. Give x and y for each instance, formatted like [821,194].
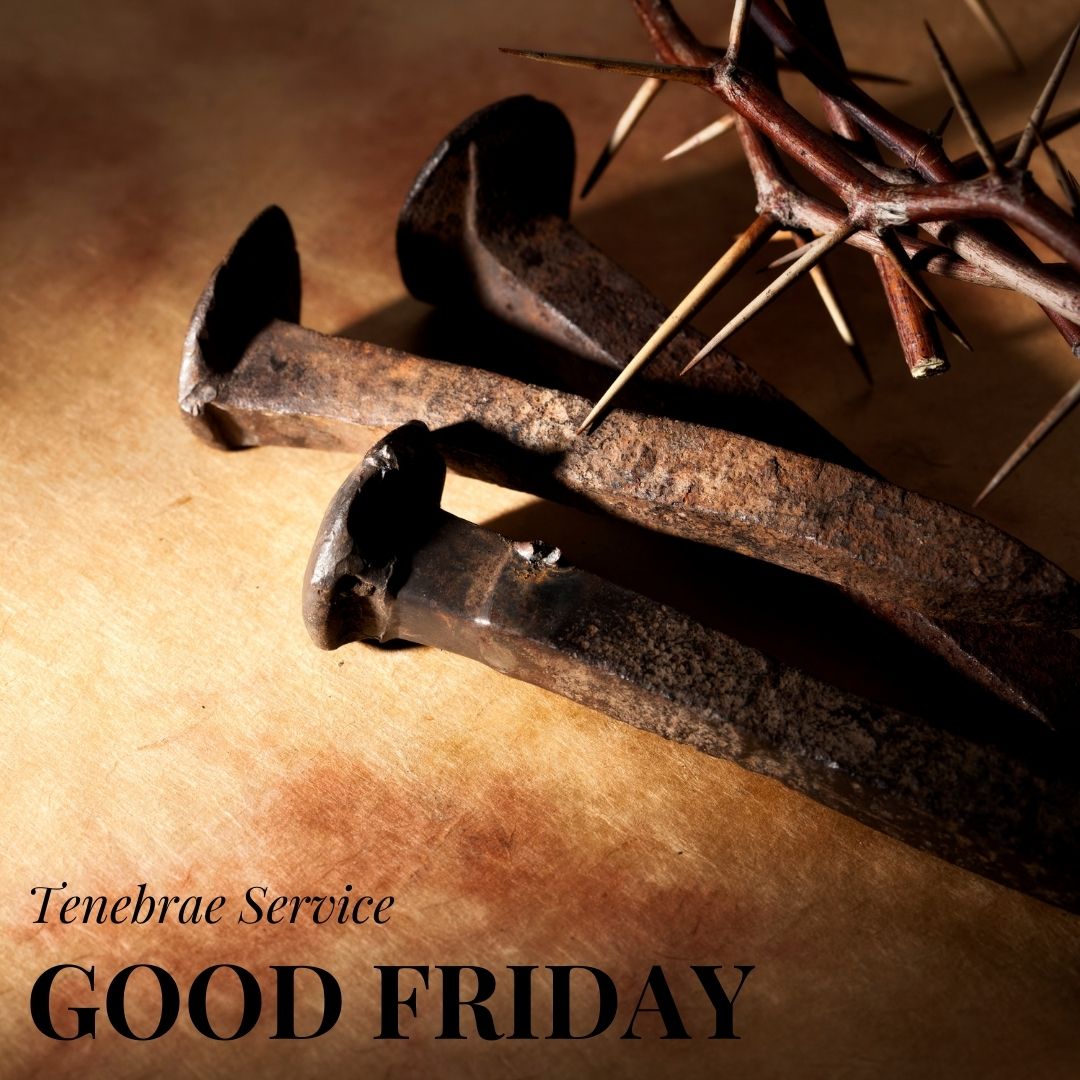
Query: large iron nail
[486,221]
[250,375]
[485,225]
[390,564]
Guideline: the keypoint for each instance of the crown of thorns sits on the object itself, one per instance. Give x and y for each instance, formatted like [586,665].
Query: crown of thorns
[931,215]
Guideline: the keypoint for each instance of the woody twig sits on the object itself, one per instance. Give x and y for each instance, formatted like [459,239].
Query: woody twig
[967,210]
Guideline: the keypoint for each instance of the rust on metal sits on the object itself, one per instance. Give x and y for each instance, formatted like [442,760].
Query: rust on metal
[390,564]
[486,220]
[487,194]
[252,376]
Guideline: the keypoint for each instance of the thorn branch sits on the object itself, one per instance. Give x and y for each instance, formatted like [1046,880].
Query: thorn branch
[974,218]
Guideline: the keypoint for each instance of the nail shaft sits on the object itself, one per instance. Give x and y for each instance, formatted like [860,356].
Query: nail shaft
[295,387]
[389,564]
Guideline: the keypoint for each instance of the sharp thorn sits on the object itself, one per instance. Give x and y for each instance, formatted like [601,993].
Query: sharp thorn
[697,76]
[784,260]
[748,242]
[809,257]
[1074,189]
[1065,179]
[716,128]
[633,112]
[1005,148]
[1027,139]
[858,75]
[948,322]
[984,13]
[820,277]
[738,21]
[1043,428]
[963,105]
[944,122]
[1058,125]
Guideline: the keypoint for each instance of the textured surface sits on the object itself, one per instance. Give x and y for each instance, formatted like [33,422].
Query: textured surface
[295,388]
[165,718]
[389,565]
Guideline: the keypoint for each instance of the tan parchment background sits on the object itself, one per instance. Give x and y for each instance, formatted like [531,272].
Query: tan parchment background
[164,716]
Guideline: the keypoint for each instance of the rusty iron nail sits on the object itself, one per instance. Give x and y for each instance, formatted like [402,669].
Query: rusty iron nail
[390,564]
[485,225]
[486,221]
[251,375]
